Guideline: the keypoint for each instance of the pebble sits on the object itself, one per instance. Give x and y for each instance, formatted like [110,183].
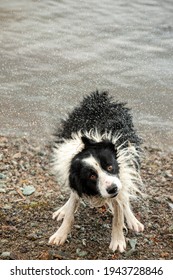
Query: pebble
[107,226]
[4,167]
[2,184]
[81,253]
[14,162]
[41,153]
[32,236]
[2,176]
[33,172]
[133,243]
[77,226]
[17,155]
[171,205]
[7,207]
[41,243]
[28,190]
[2,190]
[5,255]
[168,173]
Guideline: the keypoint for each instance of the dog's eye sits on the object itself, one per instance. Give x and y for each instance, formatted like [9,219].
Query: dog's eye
[93,177]
[109,168]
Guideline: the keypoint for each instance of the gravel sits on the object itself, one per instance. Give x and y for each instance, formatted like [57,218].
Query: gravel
[26,217]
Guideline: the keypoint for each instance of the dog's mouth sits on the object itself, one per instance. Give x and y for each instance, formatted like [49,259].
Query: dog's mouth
[114,195]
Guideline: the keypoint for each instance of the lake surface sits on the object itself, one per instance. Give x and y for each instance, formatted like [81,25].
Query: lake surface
[52,53]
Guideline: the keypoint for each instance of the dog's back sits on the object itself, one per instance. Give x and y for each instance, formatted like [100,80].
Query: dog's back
[98,112]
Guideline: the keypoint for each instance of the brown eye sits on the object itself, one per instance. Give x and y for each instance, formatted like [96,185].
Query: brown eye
[109,168]
[93,177]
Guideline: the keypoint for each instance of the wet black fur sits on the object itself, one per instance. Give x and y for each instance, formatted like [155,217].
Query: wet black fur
[99,111]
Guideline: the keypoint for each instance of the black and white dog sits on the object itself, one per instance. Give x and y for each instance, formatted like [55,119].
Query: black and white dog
[97,155]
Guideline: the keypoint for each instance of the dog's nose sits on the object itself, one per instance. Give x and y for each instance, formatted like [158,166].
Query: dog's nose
[112,190]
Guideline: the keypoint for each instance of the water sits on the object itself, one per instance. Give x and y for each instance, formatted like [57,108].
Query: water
[52,53]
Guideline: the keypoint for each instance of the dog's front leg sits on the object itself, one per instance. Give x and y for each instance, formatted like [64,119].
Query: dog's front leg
[60,236]
[131,220]
[117,238]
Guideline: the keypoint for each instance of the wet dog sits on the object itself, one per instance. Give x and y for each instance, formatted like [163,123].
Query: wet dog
[97,155]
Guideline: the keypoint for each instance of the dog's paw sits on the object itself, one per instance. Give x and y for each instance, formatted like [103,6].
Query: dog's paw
[135,225]
[59,214]
[118,244]
[58,238]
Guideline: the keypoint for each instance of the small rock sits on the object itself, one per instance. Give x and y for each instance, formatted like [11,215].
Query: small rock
[81,253]
[17,155]
[41,243]
[7,207]
[84,242]
[133,243]
[33,172]
[41,153]
[2,185]
[168,173]
[14,162]
[33,224]
[106,226]
[61,196]
[5,255]
[28,190]
[2,176]
[32,236]
[171,205]
[34,204]
[77,226]
[2,190]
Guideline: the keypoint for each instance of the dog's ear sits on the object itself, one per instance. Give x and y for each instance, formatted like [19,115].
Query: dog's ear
[74,177]
[112,147]
[75,184]
[87,142]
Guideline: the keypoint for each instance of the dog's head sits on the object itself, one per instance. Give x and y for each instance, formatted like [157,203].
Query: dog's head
[95,170]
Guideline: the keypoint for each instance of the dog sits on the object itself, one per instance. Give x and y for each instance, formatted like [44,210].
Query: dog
[97,155]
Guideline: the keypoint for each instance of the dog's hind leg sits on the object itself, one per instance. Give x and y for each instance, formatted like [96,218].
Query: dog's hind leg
[131,220]
[66,212]
[117,239]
